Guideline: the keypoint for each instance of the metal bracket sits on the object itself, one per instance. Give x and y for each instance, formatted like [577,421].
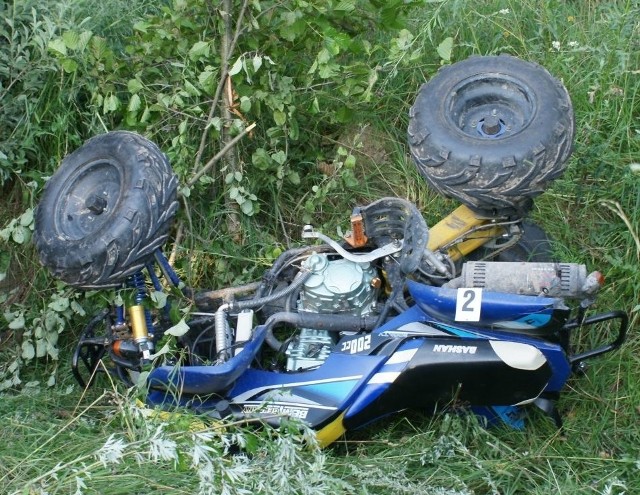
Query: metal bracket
[381,252]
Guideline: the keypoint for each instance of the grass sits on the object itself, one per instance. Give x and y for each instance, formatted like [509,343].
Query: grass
[57,440]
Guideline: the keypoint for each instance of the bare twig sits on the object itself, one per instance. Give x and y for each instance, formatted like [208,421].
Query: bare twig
[220,154]
[224,72]
[174,250]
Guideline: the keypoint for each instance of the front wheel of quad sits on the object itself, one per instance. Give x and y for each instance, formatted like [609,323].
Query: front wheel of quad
[492,132]
[106,210]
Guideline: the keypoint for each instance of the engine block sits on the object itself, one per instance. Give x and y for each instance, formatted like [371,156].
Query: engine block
[335,286]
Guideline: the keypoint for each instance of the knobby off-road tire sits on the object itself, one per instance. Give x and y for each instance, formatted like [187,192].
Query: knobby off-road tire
[106,210]
[492,132]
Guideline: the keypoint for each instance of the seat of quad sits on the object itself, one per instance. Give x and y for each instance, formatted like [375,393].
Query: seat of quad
[531,315]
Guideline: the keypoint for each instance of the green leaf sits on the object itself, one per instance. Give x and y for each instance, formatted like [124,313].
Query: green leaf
[245,104]
[53,322]
[145,114]
[134,85]
[6,233]
[85,37]
[77,309]
[20,235]
[69,65]
[445,48]
[279,157]
[216,123]
[294,178]
[111,104]
[247,208]
[261,159]
[257,63]
[328,71]
[199,50]
[236,68]
[59,304]
[57,45]
[206,79]
[279,117]
[41,348]
[166,349]
[141,26]
[134,103]
[191,89]
[350,161]
[53,351]
[28,351]
[52,338]
[179,329]
[346,5]
[315,106]
[17,323]
[26,219]
[159,299]
[71,39]
[294,130]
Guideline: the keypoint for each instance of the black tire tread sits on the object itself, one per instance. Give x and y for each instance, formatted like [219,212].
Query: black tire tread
[107,258]
[518,175]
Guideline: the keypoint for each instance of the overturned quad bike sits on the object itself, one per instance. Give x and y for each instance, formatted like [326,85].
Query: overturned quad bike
[339,333]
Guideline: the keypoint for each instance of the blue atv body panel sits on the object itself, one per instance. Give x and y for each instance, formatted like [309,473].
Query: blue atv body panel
[418,359]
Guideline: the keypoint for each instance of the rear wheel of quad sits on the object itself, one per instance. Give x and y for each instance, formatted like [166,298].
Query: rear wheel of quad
[492,132]
[106,210]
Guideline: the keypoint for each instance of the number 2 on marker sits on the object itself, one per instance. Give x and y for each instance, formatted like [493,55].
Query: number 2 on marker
[468,303]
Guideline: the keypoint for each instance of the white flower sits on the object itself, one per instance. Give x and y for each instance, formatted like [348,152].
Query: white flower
[504,11]
[555,45]
[112,451]
[573,44]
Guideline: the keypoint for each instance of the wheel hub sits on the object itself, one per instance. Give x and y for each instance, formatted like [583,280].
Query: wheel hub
[87,199]
[491,107]
[96,204]
[491,127]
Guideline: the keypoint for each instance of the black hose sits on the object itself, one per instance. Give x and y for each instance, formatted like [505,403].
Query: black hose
[261,301]
[286,258]
[319,321]
[324,321]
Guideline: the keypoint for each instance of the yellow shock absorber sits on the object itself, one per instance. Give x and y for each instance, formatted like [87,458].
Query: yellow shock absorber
[138,324]
[455,226]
